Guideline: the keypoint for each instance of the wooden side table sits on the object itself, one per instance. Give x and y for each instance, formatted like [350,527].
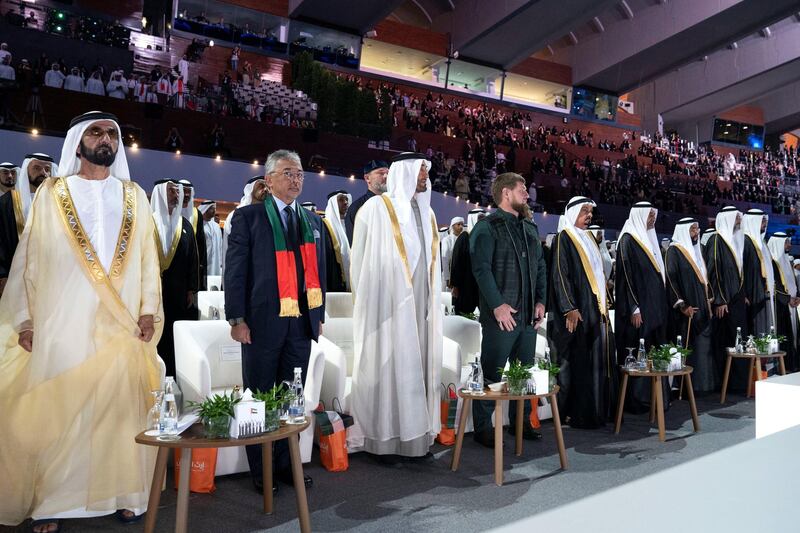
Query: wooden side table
[497,398]
[656,396]
[193,438]
[755,366]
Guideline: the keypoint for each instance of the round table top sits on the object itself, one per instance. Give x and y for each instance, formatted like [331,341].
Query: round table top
[635,372]
[491,395]
[193,438]
[745,355]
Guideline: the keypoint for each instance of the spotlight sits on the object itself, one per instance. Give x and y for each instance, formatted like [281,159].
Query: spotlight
[34,131]
[177,152]
[219,157]
[255,162]
[352,177]
[321,172]
[135,146]
[211,43]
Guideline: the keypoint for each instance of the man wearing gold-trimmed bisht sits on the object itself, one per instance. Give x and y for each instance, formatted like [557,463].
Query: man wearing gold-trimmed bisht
[79,319]
[337,247]
[397,316]
[177,251]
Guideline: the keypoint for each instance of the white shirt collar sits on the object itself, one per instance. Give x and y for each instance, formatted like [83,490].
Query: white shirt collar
[281,205]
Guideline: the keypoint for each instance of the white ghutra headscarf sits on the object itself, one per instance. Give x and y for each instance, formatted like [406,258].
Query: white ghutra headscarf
[586,243]
[751,226]
[636,227]
[727,231]
[167,224]
[401,188]
[777,248]
[681,238]
[23,185]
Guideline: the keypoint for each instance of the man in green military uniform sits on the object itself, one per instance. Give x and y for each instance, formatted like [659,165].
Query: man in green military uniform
[509,268]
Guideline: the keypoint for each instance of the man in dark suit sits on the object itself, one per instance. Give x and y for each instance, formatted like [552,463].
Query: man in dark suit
[275,327]
[375,174]
[274,323]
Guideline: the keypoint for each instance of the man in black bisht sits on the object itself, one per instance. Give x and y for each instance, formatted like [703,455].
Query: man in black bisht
[177,253]
[375,174]
[640,297]
[786,298]
[15,205]
[759,282]
[509,268]
[724,255]
[688,295]
[337,247]
[581,339]
[462,281]
[195,218]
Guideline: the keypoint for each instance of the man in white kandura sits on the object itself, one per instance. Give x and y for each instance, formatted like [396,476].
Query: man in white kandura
[213,237]
[455,229]
[79,321]
[397,316]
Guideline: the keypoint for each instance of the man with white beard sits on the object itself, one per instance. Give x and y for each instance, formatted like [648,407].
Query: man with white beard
[397,317]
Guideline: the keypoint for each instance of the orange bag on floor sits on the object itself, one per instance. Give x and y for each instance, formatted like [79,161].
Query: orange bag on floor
[204,466]
[447,434]
[333,451]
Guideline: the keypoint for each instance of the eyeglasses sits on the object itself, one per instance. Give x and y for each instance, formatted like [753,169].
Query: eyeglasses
[297,175]
[98,133]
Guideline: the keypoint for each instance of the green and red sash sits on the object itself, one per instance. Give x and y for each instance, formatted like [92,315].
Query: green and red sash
[285,259]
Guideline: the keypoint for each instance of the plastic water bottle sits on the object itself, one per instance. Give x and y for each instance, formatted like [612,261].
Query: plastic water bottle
[297,409]
[679,341]
[773,343]
[169,412]
[641,359]
[476,381]
[738,347]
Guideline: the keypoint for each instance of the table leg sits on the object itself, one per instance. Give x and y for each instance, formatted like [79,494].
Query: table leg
[498,443]
[182,511]
[266,475]
[652,403]
[299,484]
[725,378]
[155,489]
[781,366]
[680,391]
[462,424]
[520,416]
[692,405]
[659,408]
[562,452]
[621,404]
[750,377]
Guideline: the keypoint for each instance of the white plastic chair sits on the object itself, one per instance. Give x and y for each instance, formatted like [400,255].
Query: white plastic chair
[206,364]
[214,281]
[208,299]
[339,305]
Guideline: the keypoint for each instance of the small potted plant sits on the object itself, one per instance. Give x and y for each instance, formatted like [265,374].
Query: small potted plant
[552,369]
[274,400]
[764,342]
[517,375]
[216,413]
[663,355]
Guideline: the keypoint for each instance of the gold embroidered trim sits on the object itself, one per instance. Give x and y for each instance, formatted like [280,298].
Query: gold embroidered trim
[337,251]
[166,260]
[587,270]
[19,216]
[126,230]
[434,244]
[398,238]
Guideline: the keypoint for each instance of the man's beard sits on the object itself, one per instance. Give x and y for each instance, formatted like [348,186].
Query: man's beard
[695,240]
[381,187]
[103,155]
[37,180]
[522,209]
[10,182]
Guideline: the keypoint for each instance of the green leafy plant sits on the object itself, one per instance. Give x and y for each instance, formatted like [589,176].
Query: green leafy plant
[551,367]
[215,406]
[471,316]
[517,371]
[662,355]
[274,398]
[763,342]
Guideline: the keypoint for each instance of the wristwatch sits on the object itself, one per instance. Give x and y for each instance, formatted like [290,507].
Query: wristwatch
[235,321]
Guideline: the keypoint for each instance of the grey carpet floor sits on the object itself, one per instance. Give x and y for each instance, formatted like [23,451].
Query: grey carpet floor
[429,497]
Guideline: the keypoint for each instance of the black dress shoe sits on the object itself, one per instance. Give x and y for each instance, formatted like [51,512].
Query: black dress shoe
[286,477]
[486,438]
[258,484]
[528,433]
